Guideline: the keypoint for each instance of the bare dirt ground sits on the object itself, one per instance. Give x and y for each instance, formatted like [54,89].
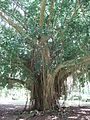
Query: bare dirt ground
[13,112]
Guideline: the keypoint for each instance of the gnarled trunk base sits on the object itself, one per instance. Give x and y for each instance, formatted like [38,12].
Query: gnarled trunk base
[46,94]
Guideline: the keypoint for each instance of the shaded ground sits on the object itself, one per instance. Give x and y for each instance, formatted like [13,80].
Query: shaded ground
[13,112]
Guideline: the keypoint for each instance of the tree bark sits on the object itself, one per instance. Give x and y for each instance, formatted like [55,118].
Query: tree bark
[42,95]
[45,97]
[37,94]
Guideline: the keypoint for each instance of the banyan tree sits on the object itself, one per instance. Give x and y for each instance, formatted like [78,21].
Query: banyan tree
[42,42]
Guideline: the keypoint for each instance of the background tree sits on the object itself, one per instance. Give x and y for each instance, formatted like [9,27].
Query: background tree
[41,44]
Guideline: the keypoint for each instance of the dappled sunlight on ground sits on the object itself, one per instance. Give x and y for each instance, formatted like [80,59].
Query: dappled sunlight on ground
[11,112]
[12,103]
[85,109]
[80,113]
[72,117]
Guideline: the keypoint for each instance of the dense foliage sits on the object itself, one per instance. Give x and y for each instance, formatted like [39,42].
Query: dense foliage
[60,33]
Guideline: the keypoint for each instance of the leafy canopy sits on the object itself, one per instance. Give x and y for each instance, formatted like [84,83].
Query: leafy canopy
[65,27]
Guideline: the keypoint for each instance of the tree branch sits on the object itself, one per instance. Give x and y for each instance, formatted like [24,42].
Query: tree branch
[71,64]
[14,80]
[42,12]
[51,10]
[10,22]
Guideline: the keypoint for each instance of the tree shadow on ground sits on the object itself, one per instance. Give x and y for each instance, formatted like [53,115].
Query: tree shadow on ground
[13,112]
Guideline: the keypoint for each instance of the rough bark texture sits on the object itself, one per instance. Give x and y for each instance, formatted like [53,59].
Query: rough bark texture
[42,95]
[45,97]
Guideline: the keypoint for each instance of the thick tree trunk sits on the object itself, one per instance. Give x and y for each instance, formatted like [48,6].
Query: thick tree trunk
[45,96]
[37,94]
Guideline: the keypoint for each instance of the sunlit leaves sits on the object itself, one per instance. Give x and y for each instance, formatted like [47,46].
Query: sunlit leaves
[67,35]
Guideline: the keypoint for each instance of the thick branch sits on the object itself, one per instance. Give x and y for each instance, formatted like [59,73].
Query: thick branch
[70,65]
[51,10]
[10,22]
[42,12]
[14,80]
